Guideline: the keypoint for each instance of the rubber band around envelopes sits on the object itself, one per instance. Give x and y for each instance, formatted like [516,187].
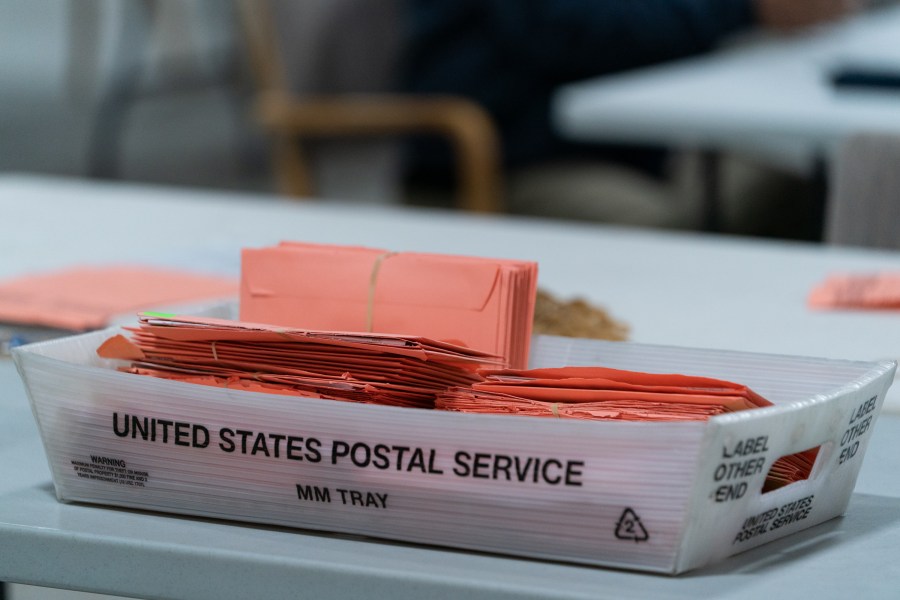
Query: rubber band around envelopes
[373,282]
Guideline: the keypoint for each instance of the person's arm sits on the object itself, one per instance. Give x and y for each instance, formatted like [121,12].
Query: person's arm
[574,39]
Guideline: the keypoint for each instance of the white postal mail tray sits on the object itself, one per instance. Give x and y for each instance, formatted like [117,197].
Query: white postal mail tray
[664,497]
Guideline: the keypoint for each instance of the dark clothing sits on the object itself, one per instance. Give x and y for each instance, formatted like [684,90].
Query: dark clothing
[510,55]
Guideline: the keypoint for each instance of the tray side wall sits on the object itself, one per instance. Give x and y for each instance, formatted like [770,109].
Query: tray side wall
[462,490]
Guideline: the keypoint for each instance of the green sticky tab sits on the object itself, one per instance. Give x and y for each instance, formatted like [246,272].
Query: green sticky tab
[161,315]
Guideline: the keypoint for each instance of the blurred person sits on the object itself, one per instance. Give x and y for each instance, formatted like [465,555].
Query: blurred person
[510,56]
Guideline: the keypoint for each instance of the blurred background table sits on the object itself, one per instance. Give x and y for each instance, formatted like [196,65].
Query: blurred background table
[672,288]
[770,98]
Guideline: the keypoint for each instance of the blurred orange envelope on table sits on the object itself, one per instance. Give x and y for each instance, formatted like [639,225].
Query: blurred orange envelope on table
[90,297]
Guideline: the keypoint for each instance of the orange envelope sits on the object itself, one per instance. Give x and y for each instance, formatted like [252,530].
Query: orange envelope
[860,291]
[82,298]
[485,304]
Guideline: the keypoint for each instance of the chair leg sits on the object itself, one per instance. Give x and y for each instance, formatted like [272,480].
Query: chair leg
[819,202]
[292,168]
[710,174]
[478,155]
[83,57]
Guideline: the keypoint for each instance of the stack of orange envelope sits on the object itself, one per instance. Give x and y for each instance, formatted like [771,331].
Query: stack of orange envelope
[791,468]
[483,304]
[599,393]
[370,368]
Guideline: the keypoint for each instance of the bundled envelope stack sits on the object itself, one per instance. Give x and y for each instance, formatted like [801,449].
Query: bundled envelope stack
[599,393]
[369,368]
[483,304]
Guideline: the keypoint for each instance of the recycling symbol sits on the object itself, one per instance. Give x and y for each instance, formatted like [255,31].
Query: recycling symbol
[630,527]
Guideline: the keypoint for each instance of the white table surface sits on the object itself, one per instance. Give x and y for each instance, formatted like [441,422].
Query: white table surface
[676,289]
[770,98]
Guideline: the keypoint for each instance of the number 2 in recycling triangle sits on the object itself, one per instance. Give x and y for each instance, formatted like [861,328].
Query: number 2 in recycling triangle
[630,527]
